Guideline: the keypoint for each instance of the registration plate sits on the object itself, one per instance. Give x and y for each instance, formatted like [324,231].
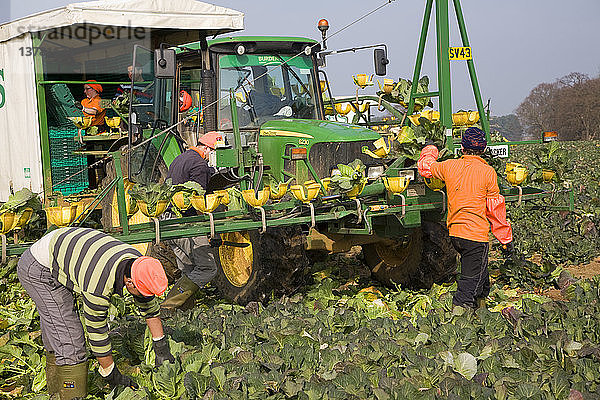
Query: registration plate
[500,150]
[460,53]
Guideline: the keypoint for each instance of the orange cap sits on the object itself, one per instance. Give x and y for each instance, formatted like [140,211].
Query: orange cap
[96,86]
[210,139]
[149,276]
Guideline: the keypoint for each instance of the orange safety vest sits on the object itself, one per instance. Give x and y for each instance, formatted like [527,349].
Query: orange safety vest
[98,118]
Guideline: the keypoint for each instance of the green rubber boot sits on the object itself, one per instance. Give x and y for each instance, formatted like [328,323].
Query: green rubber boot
[51,375]
[180,293]
[73,381]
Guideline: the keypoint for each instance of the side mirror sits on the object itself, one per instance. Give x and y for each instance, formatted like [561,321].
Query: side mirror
[164,63]
[381,61]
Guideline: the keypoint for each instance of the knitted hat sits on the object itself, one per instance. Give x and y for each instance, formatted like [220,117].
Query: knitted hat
[474,139]
[96,86]
[210,139]
[149,276]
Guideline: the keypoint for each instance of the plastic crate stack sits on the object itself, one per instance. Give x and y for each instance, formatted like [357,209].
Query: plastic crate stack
[63,163]
[60,104]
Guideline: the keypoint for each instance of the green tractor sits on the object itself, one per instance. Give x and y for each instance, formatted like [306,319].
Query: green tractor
[264,94]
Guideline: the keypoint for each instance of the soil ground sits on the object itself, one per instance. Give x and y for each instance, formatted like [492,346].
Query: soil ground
[585,271]
[356,268]
[582,271]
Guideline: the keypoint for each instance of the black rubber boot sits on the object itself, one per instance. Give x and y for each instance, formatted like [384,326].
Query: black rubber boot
[73,381]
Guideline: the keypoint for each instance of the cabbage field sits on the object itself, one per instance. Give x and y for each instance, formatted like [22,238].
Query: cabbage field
[344,336]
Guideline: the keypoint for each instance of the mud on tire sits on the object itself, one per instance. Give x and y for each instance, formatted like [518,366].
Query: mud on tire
[279,266]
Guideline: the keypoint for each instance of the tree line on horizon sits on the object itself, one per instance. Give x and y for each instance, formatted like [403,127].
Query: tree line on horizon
[570,106]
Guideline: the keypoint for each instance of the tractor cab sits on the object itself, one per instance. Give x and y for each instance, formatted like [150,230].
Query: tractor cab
[271,79]
[267,90]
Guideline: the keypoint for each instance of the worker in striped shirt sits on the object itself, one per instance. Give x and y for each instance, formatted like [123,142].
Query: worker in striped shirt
[474,202]
[96,266]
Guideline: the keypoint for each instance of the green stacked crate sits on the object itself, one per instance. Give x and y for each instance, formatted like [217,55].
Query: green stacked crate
[64,163]
[60,104]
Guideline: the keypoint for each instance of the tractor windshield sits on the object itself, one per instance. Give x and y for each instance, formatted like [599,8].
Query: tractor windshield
[266,87]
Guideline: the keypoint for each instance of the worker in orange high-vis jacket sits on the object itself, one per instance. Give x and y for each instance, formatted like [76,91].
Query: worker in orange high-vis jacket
[474,202]
[91,104]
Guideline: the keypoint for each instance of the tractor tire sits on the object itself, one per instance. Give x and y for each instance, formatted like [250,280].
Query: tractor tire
[110,217]
[273,264]
[424,258]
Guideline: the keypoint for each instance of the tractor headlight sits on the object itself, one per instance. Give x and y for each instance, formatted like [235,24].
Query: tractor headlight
[375,172]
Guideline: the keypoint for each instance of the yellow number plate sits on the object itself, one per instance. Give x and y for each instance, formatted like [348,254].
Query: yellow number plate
[460,53]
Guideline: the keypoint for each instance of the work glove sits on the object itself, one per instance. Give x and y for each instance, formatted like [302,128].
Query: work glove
[508,250]
[115,379]
[162,351]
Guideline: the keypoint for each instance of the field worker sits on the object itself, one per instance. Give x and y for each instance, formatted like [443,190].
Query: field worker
[474,201]
[94,265]
[91,104]
[194,256]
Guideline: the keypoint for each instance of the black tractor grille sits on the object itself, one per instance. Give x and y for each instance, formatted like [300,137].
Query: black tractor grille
[325,156]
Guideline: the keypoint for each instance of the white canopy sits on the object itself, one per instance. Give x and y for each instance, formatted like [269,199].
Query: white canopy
[20,119]
[156,14]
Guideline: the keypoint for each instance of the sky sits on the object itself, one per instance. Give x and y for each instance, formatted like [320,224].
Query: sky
[517,44]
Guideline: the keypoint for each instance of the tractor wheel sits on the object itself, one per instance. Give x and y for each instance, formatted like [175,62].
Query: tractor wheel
[424,258]
[110,213]
[273,263]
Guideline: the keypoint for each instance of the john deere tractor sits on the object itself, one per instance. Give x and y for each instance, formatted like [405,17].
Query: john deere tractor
[265,95]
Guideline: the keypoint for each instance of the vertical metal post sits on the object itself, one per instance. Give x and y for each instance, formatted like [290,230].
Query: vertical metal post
[42,116]
[237,138]
[116,156]
[485,124]
[444,80]
[132,119]
[420,52]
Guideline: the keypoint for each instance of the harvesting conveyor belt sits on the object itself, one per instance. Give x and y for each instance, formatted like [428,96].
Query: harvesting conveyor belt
[344,216]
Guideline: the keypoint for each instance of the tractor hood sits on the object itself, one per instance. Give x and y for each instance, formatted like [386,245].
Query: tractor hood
[317,131]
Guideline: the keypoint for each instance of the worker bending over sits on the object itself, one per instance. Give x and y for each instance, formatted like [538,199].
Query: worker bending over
[95,265]
[473,200]
[194,255]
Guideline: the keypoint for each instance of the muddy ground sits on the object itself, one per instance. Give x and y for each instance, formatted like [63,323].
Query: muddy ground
[582,271]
